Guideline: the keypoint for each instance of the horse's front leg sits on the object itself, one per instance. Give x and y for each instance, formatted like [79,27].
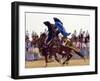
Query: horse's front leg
[45,57]
[46,60]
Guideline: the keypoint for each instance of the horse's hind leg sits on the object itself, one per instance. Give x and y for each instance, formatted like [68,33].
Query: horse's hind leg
[56,58]
[50,57]
[68,58]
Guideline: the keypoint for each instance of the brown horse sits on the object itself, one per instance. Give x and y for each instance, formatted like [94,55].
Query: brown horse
[53,49]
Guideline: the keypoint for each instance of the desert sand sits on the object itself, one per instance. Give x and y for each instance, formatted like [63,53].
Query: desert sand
[41,63]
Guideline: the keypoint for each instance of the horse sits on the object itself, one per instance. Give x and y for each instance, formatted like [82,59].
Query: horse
[54,42]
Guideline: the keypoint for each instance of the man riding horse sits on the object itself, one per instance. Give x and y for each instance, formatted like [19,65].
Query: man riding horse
[57,26]
[60,27]
[52,32]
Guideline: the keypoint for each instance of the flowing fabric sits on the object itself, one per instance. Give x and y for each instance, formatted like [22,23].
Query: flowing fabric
[61,29]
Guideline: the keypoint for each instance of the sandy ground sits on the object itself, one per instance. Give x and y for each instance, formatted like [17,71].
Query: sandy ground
[41,63]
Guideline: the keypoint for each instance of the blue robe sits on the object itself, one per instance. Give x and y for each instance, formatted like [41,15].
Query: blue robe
[61,29]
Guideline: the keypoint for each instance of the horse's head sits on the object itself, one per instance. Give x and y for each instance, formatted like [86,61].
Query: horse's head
[42,39]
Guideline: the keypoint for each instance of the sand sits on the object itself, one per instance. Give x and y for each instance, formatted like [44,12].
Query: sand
[41,63]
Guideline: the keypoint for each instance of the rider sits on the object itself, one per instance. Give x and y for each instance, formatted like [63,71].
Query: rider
[50,34]
[52,31]
[60,27]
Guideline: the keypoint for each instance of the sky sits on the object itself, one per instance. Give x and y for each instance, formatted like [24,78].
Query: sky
[71,22]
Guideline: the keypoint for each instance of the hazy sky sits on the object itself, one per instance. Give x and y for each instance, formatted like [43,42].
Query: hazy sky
[34,22]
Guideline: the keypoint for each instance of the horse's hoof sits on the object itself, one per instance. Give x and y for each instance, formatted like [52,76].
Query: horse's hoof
[45,65]
[84,60]
[63,63]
